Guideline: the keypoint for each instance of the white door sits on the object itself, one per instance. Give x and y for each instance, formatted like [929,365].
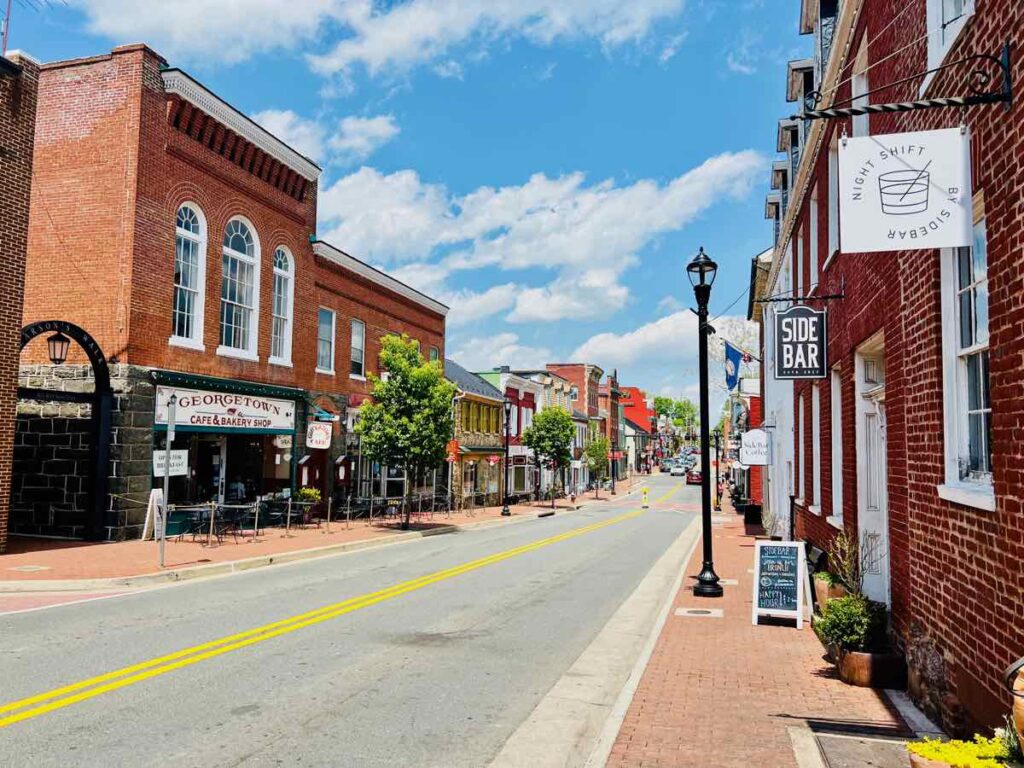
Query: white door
[873,519]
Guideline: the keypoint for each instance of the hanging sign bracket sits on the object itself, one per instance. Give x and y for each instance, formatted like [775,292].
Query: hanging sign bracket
[979,82]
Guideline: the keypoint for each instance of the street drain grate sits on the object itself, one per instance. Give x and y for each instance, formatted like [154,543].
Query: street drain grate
[700,613]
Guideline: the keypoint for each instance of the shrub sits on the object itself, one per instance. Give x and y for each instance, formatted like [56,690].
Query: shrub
[828,578]
[309,494]
[853,623]
[980,753]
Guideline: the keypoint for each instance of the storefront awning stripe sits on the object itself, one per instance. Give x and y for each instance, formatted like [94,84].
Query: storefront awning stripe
[195,381]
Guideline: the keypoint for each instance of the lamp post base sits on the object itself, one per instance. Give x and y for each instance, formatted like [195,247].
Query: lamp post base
[707,582]
[505,511]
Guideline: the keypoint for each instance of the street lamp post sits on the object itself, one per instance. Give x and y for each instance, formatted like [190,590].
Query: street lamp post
[504,497]
[718,462]
[612,466]
[701,272]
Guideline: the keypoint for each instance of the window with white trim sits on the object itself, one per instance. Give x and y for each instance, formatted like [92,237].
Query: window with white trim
[946,19]
[836,406]
[833,198]
[802,447]
[357,366]
[968,407]
[799,258]
[435,354]
[860,124]
[816,447]
[189,277]
[812,245]
[239,294]
[282,307]
[325,323]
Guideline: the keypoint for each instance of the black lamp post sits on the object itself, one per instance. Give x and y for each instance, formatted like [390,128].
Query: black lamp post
[612,465]
[504,497]
[57,347]
[701,272]
[718,462]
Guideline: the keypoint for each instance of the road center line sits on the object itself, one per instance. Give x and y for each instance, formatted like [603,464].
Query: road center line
[58,698]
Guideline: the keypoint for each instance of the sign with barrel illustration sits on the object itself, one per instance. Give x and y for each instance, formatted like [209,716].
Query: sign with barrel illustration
[905,191]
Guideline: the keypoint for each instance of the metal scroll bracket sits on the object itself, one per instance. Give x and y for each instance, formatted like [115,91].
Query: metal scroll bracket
[982,86]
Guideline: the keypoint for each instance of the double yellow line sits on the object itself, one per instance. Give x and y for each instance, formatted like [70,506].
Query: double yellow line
[58,698]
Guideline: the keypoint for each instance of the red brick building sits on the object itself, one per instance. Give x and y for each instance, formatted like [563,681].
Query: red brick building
[182,236]
[19,77]
[912,442]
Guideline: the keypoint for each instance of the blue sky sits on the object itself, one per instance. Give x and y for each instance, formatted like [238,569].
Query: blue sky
[547,167]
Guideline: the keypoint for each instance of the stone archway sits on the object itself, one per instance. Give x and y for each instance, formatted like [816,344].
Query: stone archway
[101,399]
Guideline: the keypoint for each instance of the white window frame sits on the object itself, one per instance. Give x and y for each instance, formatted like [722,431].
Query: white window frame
[812,245]
[836,407]
[860,84]
[973,492]
[249,352]
[329,371]
[816,447]
[514,425]
[799,266]
[833,203]
[942,39]
[195,340]
[362,352]
[802,466]
[288,276]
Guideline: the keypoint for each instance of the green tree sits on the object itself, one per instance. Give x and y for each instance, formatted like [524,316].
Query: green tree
[409,422]
[550,437]
[597,461]
[663,405]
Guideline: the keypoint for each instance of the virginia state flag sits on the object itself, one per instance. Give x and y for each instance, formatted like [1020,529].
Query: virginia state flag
[733,357]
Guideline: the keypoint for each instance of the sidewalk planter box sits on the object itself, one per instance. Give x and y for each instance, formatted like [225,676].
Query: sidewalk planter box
[1018,704]
[872,670]
[823,592]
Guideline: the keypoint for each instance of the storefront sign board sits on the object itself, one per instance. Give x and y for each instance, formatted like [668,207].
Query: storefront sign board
[179,462]
[780,580]
[905,191]
[801,343]
[754,448]
[206,411]
[318,434]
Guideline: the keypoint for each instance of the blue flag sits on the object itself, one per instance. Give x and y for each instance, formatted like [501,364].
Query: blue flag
[733,357]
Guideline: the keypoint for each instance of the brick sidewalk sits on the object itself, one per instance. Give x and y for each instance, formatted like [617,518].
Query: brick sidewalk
[720,692]
[42,560]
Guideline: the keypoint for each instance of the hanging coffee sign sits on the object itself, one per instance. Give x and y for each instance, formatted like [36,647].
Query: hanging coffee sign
[905,191]
[801,343]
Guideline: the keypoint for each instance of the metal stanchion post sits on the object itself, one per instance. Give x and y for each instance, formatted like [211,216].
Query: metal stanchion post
[288,519]
[213,514]
[330,499]
[256,520]
[348,512]
[172,403]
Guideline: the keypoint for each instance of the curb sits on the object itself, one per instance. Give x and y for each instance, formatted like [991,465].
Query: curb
[262,561]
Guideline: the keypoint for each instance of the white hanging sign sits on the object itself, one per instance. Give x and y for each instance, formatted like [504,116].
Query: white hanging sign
[905,191]
[318,434]
[754,448]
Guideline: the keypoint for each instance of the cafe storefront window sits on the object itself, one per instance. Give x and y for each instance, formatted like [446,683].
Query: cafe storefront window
[235,446]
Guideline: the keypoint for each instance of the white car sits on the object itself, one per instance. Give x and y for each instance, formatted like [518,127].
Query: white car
[678,470]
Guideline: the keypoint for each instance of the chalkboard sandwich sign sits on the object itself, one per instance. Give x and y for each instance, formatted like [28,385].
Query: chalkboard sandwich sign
[780,576]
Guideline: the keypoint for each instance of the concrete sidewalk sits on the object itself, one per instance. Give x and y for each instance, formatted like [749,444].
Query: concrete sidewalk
[719,692]
[52,566]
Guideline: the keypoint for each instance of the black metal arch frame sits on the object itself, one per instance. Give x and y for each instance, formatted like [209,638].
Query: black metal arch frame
[979,82]
[102,400]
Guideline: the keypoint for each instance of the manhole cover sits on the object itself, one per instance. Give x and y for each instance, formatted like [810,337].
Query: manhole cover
[700,613]
[30,568]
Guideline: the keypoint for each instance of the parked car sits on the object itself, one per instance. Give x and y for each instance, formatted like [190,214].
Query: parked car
[693,477]
[678,470]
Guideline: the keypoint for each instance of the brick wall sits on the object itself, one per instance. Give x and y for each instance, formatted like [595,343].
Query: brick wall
[18,93]
[956,583]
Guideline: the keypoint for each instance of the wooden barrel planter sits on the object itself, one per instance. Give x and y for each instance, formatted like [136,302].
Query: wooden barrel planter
[873,670]
[1014,677]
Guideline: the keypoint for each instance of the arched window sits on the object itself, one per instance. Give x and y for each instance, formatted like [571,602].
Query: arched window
[281,310]
[239,293]
[189,277]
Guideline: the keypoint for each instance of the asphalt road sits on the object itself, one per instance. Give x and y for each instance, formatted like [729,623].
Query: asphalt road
[436,672]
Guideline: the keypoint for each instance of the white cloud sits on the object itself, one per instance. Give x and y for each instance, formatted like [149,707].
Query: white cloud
[743,56]
[470,307]
[583,236]
[306,136]
[420,31]
[355,139]
[669,304]
[486,352]
[449,69]
[671,48]
[198,30]
[668,340]
[360,137]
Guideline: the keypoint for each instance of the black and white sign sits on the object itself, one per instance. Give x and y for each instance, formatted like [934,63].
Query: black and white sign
[779,580]
[179,463]
[801,343]
[905,191]
[754,448]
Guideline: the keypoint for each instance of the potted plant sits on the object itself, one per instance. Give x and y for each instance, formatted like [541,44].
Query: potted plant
[1014,677]
[309,494]
[827,587]
[853,628]
[1001,751]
